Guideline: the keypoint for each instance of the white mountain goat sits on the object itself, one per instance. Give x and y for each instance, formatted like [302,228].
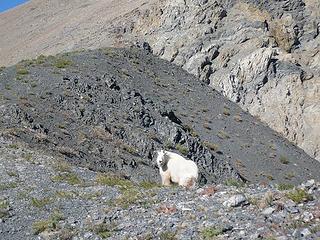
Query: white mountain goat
[175,168]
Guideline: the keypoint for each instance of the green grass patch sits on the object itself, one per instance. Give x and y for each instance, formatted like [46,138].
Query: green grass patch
[70,178]
[22,71]
[234,183]
[111,180]
[62,63]
[210,232]
[211,146]
[50,224]
[40,202]
[149,185]
[226,111]
[62,166]
[223,135]
[103,230]
[4,208]
[182,149]
[9,185]
[285,186]
[299,196]
[167,235]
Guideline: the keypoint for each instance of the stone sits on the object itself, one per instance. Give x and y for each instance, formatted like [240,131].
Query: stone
[235,201]
[268,211]
[305,232]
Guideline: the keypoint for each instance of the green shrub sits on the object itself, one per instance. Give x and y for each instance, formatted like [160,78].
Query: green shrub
[299,196]
[223,135]
[284,186]
[210,232]
[211,146]
[182,149]
[284,159]
[234,182]
[50,224]
[62,63]
[22,71]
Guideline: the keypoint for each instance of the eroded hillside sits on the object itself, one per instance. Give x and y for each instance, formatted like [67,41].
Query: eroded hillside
[110,109]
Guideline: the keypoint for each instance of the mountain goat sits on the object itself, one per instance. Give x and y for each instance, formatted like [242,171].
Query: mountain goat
[175,168]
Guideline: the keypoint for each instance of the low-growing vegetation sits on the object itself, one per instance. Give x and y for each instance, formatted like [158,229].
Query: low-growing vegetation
[284,159]
[112,180]
[4,208]
[211,146]
[50,224]
[9,185]
[22,71]
[226,111]
[223,135]
[70,178]
[62,63]
[299,195]
[285,186]
[167,235]
[210,232]
[182,149]
[40,202]
[234,182]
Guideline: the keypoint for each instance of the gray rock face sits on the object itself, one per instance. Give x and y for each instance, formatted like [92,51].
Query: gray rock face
[262,55]
[110,109]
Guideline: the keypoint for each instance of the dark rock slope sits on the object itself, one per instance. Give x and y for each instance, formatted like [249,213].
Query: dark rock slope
[110,109]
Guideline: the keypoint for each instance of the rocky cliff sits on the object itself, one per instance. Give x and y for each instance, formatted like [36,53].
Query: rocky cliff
[262,55]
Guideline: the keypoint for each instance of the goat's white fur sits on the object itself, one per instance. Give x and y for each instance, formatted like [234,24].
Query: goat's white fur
[175,168]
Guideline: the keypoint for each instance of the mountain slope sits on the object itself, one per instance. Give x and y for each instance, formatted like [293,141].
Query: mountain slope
[110,109]
[262,55]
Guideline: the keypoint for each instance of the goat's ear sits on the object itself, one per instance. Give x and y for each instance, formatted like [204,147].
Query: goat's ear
[165,158]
